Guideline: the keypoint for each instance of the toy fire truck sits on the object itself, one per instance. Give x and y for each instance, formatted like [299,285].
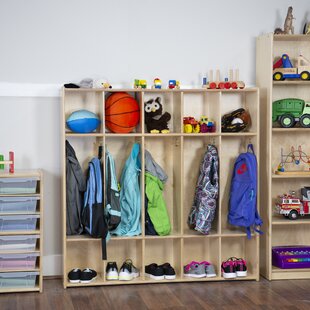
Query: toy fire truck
[291,206]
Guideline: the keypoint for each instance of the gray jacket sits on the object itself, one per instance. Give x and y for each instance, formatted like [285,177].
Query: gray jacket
[153,168]
[75,188]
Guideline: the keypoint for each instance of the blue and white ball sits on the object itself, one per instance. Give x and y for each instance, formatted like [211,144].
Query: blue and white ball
[83,121]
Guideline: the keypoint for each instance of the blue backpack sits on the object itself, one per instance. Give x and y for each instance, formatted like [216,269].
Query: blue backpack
[243,193]
[93,217]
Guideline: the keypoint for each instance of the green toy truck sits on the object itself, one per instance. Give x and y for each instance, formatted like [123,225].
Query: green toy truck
[291,110]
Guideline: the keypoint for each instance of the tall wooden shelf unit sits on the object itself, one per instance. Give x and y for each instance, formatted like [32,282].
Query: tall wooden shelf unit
[20,284]
[278,230]
[180,155]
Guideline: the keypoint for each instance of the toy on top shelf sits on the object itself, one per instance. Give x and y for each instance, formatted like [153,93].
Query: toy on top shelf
[228,83]
[306,28]
[157,83]
[291,206]
[102,83]
[140,84]
[291,110]
[174,84]
[297,157]
[288,23]
[9,162]
[236,121]
[155,121]
[283,69]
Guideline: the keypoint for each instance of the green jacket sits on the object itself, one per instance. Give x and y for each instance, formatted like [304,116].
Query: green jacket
[156,204]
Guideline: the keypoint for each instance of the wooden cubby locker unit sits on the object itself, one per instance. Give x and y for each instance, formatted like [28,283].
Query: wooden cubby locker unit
[180,155]
[21,234]
[278,230]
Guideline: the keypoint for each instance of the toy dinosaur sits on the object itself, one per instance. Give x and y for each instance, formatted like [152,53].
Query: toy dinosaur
[288,24]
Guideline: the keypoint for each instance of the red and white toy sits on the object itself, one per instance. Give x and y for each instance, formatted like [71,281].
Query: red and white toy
[9,162]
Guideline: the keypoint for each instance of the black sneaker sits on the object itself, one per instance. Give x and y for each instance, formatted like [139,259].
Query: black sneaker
[74,275]
[111,271]
[88,275]
[169,272]
[128,271]
[155,272]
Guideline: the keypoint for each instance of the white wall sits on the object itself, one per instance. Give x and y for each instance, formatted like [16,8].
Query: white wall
[46,43]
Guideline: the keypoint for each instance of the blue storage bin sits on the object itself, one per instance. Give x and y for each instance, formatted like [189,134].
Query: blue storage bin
[18,222]
[18,204]
[18,185]
[18,243]
[18,279]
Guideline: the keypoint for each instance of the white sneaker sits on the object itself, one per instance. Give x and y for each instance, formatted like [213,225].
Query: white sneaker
[111,271]
[128,271]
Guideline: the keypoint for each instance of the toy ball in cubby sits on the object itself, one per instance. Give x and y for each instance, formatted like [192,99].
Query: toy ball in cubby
[83,121]
[122,112]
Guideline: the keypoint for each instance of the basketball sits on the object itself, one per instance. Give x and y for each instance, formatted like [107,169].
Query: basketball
[122,112]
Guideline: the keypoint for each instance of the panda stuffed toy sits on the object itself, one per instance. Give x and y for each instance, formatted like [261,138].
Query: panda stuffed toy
[155,121]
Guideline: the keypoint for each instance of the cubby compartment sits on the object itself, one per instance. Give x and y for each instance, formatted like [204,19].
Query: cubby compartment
[85,149]
[167,153]
[202,104]
[120,250]
[202,249]
[247,99]
[169,101]
[85,253]
[194,149]
[161,251]
[290,186]
[118,118]
[295,151]
[241,247]
[231,148]
[84,99]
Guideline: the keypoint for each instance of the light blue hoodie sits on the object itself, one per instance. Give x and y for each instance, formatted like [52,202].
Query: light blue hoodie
[130,198]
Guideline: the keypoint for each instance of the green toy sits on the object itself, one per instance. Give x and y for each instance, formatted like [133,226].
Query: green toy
[291,110]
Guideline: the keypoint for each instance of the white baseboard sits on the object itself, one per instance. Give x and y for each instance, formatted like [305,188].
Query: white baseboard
[52,265]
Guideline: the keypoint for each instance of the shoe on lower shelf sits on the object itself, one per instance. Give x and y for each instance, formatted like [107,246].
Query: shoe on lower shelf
[88,275]
[155,272]
[111,271]
[210,270]
[229,268]
[128,271]
[169,272]
[195,270]
[241,269]
[74,275]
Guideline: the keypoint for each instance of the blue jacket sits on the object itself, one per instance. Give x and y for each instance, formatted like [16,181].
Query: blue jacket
[130,198]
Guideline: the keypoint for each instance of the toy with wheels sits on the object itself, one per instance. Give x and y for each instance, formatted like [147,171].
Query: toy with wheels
[83,121]
[9,162]
[122,112]
[289,111]
[190,125]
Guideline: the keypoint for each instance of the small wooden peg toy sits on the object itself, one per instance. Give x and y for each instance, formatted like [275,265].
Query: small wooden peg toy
[9,162]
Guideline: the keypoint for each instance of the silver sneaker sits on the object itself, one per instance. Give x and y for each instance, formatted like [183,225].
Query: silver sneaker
[194,270]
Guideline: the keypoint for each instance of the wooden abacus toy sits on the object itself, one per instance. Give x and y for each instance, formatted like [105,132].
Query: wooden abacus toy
[9,162]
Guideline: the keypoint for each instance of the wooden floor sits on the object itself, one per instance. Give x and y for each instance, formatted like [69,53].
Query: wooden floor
[292,294]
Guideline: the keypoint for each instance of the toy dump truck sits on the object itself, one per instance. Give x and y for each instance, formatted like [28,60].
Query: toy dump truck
[291,110]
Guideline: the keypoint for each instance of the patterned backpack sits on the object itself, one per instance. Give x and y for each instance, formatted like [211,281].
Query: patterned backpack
[203,210]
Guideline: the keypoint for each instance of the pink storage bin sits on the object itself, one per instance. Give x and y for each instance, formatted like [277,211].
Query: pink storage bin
[18,261]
